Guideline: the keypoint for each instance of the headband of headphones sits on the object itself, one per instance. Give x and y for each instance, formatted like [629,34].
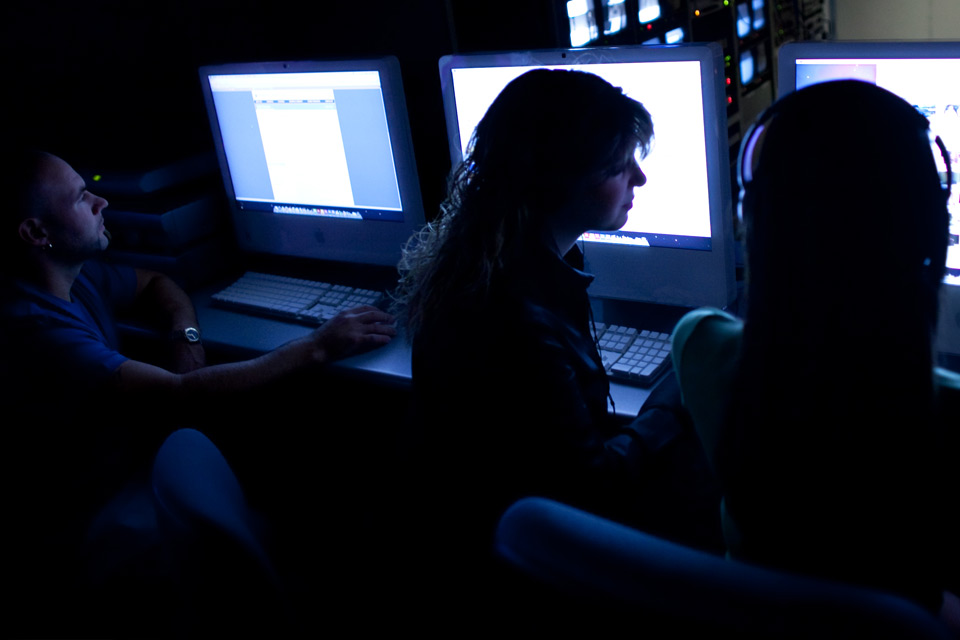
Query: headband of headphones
[802,154]
[748,158]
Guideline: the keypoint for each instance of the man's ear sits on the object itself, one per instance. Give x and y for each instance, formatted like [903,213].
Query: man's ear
[33,232]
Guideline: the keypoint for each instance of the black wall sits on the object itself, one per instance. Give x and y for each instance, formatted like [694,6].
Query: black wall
[112,84]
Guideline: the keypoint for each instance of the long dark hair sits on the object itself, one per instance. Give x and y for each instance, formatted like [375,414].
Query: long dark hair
[543,140]
[846,225]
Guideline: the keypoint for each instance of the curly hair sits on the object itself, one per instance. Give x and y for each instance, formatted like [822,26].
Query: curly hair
[548,136]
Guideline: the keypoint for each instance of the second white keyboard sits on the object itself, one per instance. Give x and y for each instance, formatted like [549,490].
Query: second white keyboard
[633,356]
[304,301]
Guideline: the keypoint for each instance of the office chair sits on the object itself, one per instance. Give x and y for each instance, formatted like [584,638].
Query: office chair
[654,585]
[226,580]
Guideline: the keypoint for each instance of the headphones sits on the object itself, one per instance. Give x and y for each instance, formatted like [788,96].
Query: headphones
[747,157]
[754,182]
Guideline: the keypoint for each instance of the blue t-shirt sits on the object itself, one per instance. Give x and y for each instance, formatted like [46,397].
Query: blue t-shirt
[68,447]
[49,342]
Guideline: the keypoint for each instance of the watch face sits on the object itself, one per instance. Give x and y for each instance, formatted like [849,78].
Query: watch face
[191,334]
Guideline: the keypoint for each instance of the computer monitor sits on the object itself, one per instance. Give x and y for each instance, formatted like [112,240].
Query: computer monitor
[925,75]
[316,156]
[677,246]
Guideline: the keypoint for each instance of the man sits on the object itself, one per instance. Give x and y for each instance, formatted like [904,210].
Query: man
[61,302]
[82,419]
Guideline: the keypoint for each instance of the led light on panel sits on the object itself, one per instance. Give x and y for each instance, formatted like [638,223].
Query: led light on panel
[759,15]
[746,68]
[649,11]
[583,24]
[616,16]
[743,20]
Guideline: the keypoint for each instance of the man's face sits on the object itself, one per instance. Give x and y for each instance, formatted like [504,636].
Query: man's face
[71,214]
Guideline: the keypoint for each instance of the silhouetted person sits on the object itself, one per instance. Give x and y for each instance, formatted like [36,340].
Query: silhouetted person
[832,434]
[83,417]
[510,392]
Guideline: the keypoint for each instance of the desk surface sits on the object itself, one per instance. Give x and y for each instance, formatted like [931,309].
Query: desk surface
[243,336]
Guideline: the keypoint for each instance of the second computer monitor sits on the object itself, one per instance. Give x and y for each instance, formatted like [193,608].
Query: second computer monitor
[677,247]
[316,156]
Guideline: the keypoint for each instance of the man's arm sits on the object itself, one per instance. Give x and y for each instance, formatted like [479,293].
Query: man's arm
[162,295]
[349,332]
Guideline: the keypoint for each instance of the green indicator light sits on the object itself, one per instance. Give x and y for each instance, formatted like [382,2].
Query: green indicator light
[97,177]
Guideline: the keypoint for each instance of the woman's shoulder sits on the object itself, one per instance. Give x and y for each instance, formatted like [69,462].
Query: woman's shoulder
[706,354]
[705,329]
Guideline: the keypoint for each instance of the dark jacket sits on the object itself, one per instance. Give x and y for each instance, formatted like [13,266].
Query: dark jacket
[511,396]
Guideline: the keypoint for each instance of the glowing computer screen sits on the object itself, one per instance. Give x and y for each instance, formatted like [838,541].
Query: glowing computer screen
[316,156]
[676,247]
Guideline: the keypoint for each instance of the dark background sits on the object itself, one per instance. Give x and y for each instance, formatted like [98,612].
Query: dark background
[113,84]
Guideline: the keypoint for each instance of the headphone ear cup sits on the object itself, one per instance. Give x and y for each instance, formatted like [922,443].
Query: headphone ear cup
[750,199]
[747,202]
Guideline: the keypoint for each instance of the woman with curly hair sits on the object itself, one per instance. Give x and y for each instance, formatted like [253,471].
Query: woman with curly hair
[510,392]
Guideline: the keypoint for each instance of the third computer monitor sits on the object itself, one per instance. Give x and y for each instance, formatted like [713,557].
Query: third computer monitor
[925,75]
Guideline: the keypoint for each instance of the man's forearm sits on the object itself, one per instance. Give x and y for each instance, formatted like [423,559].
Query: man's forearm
[175,311]
[134,376]
[167,298]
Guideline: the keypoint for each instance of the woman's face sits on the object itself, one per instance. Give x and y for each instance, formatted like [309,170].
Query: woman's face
[607,203]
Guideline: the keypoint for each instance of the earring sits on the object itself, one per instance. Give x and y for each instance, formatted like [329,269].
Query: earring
[48,247]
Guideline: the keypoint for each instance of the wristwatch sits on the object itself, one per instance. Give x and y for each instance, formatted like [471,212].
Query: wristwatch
[187,334]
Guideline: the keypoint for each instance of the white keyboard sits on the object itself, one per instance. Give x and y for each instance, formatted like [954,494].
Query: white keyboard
[294,299]
[633,356]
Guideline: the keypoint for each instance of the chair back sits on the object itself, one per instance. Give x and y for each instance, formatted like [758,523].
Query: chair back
[589,559]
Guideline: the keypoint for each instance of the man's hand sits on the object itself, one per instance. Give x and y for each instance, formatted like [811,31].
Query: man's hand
[352,331]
